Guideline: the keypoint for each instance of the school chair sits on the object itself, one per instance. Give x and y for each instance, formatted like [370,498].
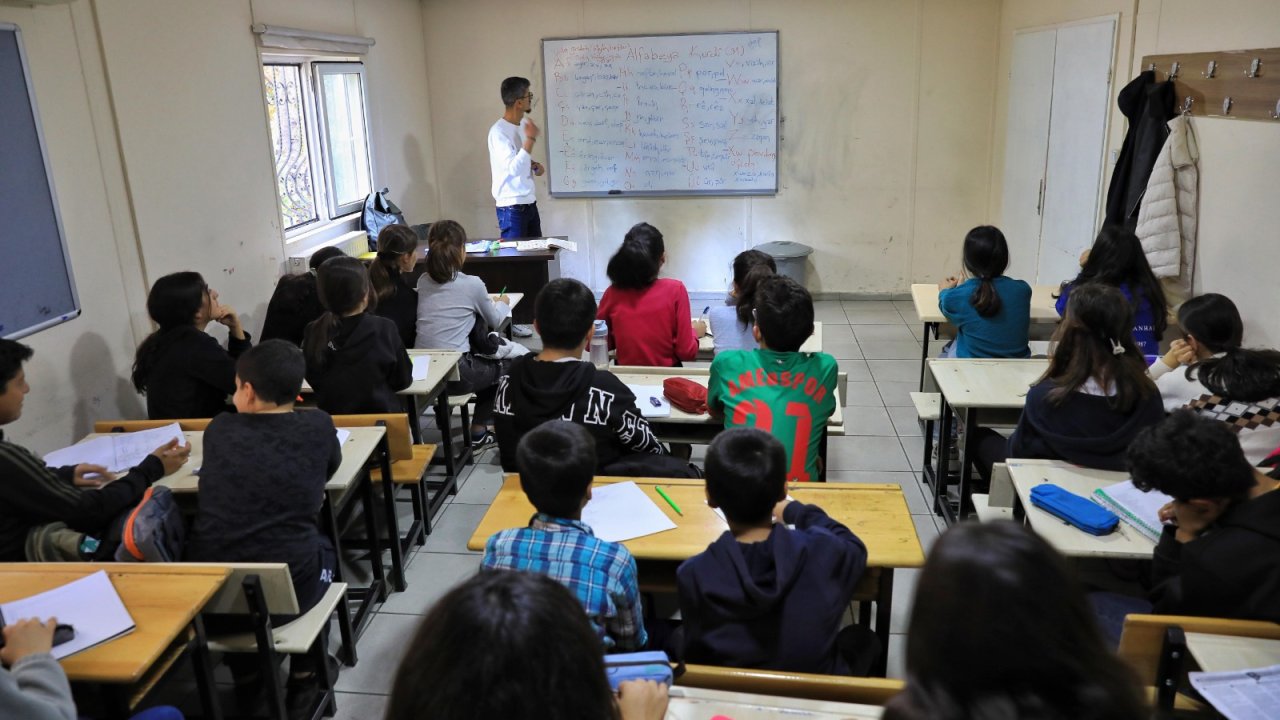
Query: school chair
[807,686]
[124,426]
[256,591]
[997,503]
[1155,647]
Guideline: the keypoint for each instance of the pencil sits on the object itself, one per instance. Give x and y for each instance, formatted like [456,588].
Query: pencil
[670,502]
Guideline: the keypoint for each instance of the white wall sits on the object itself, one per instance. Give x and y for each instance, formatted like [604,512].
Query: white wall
[884,156]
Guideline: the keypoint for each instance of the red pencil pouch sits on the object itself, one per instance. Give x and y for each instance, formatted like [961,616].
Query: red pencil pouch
[685,394]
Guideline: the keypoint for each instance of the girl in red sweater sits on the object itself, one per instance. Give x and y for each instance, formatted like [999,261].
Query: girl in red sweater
[648,316]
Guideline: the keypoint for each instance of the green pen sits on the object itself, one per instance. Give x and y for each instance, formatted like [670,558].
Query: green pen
[503,291]
[670,502]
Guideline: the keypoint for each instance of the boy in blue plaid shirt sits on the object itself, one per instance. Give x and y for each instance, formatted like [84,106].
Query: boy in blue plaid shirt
[557,462]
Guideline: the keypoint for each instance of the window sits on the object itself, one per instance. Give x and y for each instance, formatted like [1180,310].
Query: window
[319,139]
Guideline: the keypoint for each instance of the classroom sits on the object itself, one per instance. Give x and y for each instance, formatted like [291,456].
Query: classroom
[891,128]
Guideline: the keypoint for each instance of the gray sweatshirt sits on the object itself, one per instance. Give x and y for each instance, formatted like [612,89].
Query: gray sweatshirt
[36,688]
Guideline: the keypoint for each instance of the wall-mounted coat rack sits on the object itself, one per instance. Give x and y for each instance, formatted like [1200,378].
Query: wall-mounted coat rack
[1238,84]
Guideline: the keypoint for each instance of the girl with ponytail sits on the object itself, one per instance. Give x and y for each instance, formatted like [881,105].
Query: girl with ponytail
[1209,371]
[731,323]
[991,312]
[184,372]
[1117,259]
[356,361]
[397,300]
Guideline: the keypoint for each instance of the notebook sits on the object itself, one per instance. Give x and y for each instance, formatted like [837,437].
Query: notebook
[117,452]
[1141,510]
[90,605]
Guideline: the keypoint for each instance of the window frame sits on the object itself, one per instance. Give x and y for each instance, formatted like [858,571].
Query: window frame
[319,69]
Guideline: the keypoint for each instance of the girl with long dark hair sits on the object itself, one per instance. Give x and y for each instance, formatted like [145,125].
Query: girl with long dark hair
[991,312]
[397,299]
[731,323]
[1116,259]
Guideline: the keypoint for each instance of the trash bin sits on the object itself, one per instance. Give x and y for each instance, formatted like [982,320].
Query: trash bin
[789,257]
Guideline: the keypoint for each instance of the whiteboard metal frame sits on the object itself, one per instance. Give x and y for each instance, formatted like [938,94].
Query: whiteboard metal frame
[53,195]
[777,125]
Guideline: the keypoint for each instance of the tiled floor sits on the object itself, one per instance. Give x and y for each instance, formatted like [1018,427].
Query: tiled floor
[876,343]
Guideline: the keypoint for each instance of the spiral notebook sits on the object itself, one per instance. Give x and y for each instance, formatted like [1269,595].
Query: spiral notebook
[1140,510]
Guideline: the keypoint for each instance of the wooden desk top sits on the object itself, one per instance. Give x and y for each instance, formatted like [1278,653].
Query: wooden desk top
[655,376]
[925,297]
[1125,542]
[986,383]
[707,343]
[162,600]
[355,453]
[443,368]
[876,513]
[1228,653]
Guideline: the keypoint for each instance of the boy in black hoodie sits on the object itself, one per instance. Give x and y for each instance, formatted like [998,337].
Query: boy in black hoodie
[764,595]
[1220,557]
[556,385]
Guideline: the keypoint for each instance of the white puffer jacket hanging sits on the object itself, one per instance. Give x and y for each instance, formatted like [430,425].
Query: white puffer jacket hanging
[1167,216]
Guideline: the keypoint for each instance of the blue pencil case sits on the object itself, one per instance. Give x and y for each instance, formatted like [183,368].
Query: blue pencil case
[653,665]
[1076,511]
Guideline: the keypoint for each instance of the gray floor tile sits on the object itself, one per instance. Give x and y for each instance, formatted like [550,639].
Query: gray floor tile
[916,503]
[430,576]
[833,333]
[897,665]
[865,333]
[904,593]
[829,312]
[895,370]
[905,420]
[897,394]
[890,349]
[843,351]
[907,308]
[482,485]
[358,706]
[865,453]
[863,305]
[380,648]
[913,446]
[857,370]
[868,420]
[863,394]
[454,528]
[926,530]
[881,316]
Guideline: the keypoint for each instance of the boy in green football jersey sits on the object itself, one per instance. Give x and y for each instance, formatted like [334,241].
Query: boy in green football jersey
[777,388]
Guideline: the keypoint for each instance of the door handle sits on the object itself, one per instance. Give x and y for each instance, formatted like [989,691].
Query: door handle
[1040,199]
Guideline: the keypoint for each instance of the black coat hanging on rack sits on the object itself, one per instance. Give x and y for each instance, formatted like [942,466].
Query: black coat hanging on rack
[1148,105]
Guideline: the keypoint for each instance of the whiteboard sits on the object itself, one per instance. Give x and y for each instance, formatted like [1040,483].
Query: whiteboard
[36,286]
[662,114]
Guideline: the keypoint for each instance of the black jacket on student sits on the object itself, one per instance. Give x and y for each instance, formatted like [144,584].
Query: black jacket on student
[401,308]
[366,367]
[1230,571]
[1083,430]
[293,305]
[192,376]
[775,604]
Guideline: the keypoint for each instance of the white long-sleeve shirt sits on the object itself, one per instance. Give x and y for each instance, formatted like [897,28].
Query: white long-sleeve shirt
[511,165]
[1256,424]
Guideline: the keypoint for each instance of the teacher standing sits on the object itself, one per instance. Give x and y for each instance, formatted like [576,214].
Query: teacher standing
[511,141]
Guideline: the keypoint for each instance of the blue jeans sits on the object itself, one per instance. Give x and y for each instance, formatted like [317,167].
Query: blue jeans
[519,221]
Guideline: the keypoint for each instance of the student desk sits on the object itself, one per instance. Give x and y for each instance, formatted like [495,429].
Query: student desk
[1125,543]
[165,603]
[925,298]
[974,386]
[1229,653]
[707,343]
[876,513]
[524,272]
[689,703]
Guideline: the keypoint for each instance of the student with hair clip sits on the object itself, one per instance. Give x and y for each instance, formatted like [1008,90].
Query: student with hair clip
[356,362]
[397,300]
[295,302]
[512,645]
[1116,259]
[1094,398]
[184,372]
[451,304]
[1000,629]
[648,316]
[991,312]
[731,323]
[1209,372]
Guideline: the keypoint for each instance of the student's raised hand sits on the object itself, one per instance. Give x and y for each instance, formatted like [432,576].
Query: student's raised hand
[699,328]
[949,283]
[91,476]
[642,700]
[173,455]
[1181,352]
[27,637]
[530,130]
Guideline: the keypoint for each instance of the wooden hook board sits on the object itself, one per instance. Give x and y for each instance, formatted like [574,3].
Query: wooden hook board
[1252,98]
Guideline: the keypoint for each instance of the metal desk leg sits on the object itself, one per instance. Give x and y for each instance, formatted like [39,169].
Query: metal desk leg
[345,628]
[924,350]
[941,504]
[884,613]
[203,667]
[415,418]
[378,589]
[393,522]
[966,462]
[446,438]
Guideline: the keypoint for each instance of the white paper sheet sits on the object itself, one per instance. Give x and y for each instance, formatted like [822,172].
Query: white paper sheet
[421,366]
[623,511]
[118,452]
[477,246]
[343,435]
[645,396]
[90,605]
[1244,695]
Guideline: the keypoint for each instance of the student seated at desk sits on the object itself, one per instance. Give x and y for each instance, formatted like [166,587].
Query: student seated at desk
[51,514]
[731,323]
[183,372]
[356,362]
[261,489]
[35,686]
[777,388]
[1219,555]
[1001,629]
[648,316]
[296,301]
[991,312]
[764,595]
[556,384]
[1209,372]
[512,645]
[397,299]
[557,464]
[1117,260]
[1094,398]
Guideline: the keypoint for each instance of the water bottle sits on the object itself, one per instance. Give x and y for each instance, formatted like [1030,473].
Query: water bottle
[598,349]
